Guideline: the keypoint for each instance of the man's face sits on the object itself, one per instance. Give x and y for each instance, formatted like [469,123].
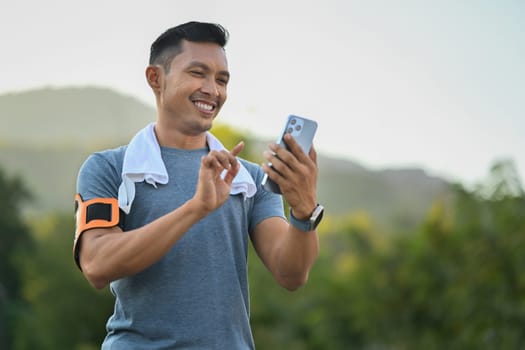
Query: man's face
[194,89]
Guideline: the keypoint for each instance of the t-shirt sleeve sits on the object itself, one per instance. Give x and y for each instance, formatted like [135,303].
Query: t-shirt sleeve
[266,204]
[98,178]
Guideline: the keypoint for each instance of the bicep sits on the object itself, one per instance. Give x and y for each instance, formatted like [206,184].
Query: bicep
[89,248]
[266,239]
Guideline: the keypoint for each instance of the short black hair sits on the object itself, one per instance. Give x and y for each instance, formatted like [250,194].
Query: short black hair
[168,44]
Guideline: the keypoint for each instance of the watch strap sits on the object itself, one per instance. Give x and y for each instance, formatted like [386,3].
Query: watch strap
[311,223]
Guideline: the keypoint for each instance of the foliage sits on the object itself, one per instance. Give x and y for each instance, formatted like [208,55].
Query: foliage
[503,181]
[454,283]
[66,312]
[15,239]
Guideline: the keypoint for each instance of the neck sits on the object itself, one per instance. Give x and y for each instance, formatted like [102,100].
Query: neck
[173,137]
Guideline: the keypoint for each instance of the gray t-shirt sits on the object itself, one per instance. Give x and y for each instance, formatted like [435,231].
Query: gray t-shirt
[196,296]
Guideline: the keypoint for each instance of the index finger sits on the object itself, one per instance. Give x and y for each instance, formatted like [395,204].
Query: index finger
[237,149]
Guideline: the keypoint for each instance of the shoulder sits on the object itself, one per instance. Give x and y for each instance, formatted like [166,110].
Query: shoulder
[100,174]
[257,174]
[110,159]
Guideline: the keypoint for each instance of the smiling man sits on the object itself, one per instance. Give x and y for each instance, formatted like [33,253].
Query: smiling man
[166,219]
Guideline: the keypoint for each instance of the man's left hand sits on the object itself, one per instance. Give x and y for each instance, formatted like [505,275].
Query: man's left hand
[295,173]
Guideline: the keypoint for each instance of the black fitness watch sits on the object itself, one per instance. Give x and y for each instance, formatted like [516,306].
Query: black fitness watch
[311,223]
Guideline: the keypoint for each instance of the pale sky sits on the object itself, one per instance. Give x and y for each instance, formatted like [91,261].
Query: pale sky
[433,84]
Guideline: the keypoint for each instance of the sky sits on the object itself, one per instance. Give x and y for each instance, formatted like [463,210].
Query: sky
[438,85]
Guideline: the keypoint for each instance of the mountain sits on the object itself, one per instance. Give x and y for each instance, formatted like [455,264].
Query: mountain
[47,133]
[398,197]
[70,116]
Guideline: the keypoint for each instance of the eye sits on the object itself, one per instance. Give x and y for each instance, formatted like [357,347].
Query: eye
[197,73]
[222,81]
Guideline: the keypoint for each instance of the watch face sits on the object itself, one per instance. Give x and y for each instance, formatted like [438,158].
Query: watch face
[317,215]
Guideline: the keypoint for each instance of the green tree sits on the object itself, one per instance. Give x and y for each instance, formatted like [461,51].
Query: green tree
[15,238]
[503,181]
[325,313]
[456,283]
[66,312]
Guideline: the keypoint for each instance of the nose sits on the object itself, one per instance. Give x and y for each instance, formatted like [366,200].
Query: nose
[210,87]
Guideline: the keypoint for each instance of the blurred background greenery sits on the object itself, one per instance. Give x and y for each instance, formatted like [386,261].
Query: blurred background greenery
[408,261]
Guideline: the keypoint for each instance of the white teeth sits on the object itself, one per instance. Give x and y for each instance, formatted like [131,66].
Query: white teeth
[204,106]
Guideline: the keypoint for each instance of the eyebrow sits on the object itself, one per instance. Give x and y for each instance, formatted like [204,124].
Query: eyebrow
[204,66]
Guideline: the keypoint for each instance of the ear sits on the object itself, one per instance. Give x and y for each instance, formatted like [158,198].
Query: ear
[154,76]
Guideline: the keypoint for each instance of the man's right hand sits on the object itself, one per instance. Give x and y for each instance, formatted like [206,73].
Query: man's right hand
[213,188]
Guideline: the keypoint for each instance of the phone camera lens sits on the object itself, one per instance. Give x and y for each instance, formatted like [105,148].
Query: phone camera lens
[298,127]
[293,121]
[289,131]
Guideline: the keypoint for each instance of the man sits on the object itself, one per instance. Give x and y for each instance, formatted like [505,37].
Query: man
[165,220]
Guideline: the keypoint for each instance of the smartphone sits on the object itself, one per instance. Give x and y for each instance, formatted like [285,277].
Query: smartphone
[303,130]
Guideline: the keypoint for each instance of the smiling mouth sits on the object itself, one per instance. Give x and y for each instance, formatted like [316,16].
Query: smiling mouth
[204,107]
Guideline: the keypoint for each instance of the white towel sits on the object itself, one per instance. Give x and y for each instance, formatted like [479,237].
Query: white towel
[143,162]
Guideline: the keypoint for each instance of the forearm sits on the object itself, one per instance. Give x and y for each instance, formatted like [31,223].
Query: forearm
[295,257]
[106,257]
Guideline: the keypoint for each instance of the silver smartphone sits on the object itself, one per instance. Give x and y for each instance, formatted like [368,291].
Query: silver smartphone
[303,130]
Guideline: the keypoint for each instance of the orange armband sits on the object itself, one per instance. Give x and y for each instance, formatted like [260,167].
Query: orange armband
[93,213]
